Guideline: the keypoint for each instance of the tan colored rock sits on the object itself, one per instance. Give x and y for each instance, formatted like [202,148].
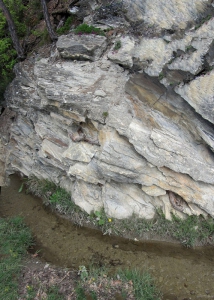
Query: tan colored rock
[81,151]
[124,54]
[87,196]
[199,94]
[86,172]
[121,201]
[153,191]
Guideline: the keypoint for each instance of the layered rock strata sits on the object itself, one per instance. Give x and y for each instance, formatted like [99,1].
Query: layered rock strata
[128,129]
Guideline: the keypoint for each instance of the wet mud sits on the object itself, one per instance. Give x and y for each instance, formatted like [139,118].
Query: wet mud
[180,273]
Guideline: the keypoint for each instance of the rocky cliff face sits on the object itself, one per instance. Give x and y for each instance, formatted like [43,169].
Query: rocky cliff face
[128,129]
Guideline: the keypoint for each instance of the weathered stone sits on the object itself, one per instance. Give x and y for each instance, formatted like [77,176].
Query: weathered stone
[165,14]
[115,139]
[199,94]
[123,55]
[82,151]
[87,196]
[121,201]
[100,93]
[84,47]
[153,191]
[88,173]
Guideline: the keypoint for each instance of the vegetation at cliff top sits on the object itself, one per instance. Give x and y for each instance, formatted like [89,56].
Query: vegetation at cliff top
[7,53]
[193,230]
[87,29]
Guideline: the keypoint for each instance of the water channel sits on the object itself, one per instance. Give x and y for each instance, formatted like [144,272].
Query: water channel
[180,273]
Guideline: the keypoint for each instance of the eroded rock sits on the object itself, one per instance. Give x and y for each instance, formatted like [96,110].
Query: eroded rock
[129,129]
[81,47]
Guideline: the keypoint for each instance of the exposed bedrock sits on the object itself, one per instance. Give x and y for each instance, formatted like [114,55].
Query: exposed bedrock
[125,141]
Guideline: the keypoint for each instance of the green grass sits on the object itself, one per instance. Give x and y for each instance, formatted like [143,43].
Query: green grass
[87,29]
[143,284]
[189,231]
[53,294]
[80,293]
[15,238]
[140,283]
[56,197]
[61,200]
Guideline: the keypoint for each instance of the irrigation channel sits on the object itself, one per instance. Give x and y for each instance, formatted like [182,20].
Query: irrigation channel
[180,273]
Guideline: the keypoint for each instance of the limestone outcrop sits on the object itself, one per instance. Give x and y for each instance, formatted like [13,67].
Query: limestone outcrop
[127,129]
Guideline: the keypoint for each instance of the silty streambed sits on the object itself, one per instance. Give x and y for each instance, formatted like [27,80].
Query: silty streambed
[180,273]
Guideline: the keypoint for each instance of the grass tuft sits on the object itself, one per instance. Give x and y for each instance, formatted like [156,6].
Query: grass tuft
[143,284]
[87,29]
[117,45]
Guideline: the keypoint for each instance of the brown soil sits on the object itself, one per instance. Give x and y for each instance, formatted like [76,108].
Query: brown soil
[38,278]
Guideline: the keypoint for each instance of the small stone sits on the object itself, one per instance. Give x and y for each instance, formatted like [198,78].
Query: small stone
[100,93]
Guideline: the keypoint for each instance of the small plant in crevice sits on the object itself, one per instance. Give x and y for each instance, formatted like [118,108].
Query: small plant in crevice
[117,45]
[100,217]
[202,21]
[190,48]
[161,76]
[87,29]
[105,114]
[105,223]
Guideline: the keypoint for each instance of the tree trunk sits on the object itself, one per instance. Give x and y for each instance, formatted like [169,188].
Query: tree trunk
[12,29]
[47,21]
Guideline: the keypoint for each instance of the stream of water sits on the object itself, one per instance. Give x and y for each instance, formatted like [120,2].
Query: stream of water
[181,274]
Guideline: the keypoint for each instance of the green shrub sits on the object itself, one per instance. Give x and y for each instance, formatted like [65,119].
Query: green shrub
[7,52]
[87,29]
[66,27]
[117,45]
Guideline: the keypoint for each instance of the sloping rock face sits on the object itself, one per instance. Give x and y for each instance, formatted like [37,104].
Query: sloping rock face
[129,129]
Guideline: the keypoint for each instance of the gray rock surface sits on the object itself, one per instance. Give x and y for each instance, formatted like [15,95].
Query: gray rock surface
[81,47]
[121,129]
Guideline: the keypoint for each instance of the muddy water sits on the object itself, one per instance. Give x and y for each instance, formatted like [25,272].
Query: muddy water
[180,273]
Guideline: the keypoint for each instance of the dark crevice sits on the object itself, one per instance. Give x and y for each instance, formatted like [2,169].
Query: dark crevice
[2,110]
